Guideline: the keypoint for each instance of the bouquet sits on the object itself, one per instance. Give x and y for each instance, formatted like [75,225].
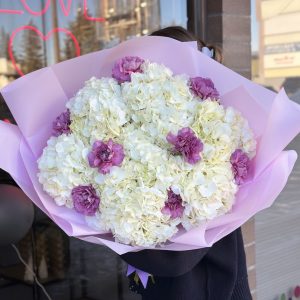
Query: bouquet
[144,151]
[131,148]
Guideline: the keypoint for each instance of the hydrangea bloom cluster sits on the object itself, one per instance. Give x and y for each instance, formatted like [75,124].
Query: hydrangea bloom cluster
[144,151]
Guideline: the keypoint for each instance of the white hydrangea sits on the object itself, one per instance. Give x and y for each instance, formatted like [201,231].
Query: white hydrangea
[222,130]
[209,191]
[159,102]
[139,114]
[63,166]
[134,214]
[98,110]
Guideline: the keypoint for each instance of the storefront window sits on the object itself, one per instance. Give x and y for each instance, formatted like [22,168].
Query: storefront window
[35,34]
[276,65]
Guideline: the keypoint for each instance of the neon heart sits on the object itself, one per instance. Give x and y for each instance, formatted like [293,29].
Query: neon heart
[42,36]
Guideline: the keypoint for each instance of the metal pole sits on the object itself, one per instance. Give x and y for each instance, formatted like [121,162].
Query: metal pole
[196,10]
[55,34]
[202,29]
[44,33]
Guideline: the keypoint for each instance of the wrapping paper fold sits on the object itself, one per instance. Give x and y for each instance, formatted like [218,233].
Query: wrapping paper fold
[36,99]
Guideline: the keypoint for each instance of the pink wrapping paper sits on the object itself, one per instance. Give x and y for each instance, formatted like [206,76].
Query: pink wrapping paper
[36,99]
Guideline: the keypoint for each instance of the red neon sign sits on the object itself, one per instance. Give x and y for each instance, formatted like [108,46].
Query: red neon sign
[11,11]
[36,13]
[85,9]
[42,36]
[65,8]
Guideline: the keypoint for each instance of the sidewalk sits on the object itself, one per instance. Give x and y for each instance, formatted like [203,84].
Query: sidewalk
[278,240]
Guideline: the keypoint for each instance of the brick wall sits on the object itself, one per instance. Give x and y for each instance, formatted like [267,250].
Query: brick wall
[228,25]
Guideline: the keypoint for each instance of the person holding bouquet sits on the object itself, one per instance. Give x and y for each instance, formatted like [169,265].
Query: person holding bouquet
[157,151]
[216,273]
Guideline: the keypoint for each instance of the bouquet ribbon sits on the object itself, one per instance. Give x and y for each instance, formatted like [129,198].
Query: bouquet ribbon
[143,276]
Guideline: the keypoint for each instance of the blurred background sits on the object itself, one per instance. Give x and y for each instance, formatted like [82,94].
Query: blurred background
[260,39]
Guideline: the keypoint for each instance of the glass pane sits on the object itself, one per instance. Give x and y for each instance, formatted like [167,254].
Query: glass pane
[44,32]
[35,34]
[276,64]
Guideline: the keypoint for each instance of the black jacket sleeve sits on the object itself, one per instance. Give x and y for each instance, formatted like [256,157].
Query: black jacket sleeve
[241,288]
[215,273]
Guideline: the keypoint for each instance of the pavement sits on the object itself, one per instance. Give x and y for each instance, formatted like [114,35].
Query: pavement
[278,240]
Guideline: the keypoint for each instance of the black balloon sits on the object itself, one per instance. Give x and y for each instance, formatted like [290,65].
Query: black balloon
[16,214]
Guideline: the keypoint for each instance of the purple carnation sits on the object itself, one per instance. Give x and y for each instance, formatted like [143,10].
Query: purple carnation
[125,66]
[105,155]
[204,88]
[186,143]
[240,163]
[62,124]
[85,199]
[173,206]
